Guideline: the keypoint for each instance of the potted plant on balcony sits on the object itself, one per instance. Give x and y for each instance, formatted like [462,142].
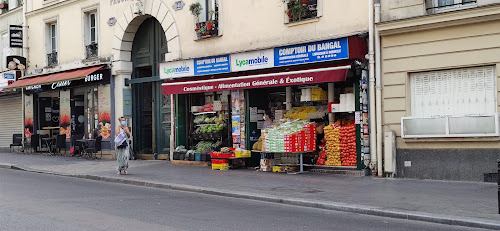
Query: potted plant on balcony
[196,9]
[4,5]
[295,9]
[210,21]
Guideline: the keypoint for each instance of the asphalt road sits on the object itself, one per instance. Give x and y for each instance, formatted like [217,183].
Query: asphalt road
[31,201]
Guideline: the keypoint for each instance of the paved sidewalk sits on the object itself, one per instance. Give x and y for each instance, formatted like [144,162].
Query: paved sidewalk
[462,203]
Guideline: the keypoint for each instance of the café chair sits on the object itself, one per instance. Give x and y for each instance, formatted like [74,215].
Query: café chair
[60,144]
[17,141]
[34,143]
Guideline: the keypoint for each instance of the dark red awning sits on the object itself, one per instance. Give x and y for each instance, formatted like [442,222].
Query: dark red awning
[56,77]
[323,75]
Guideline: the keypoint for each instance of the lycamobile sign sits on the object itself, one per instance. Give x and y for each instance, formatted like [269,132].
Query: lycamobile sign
[252,60]
[176,69]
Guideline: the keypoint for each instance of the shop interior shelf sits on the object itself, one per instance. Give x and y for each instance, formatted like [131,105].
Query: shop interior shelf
[328,166]
[205,112]
[200,125]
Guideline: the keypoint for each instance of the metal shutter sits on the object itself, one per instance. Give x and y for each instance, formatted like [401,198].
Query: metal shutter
[11,118]
[454,92]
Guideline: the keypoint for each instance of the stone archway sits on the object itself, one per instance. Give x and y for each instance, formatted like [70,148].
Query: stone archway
[128,23]
[125,28]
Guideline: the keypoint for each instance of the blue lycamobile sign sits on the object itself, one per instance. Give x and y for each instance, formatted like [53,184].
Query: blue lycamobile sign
[212,65]
[312,52]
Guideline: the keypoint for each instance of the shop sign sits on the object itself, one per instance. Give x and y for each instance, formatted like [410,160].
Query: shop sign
[212,65]
[60,84]
[93,77]
[252,60]
[312,52]
[256,82]
[7,78]
[16,36]
[172,70]
[33,88]
[16,62]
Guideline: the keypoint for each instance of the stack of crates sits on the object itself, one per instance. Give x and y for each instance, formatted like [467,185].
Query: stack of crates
[220,164]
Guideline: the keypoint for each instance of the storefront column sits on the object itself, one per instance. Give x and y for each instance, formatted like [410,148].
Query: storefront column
[119,109]
[289,98]
[331,98]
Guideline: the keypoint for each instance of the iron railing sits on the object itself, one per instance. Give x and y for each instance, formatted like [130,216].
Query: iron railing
[92,50]
[433,5]
[52,59]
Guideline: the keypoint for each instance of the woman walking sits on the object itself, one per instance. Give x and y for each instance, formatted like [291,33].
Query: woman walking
[122,149]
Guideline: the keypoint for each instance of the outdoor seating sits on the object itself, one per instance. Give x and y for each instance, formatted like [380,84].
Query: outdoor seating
[34,143]
[60,144]
[75,145]
[91,147]
[17,141]
[44,144]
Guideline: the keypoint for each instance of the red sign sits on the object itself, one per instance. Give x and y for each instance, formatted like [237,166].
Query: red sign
[254,82]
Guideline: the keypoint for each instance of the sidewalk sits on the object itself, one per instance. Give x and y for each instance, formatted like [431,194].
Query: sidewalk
[460,203]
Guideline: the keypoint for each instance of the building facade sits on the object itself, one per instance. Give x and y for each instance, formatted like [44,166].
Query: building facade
[439,72]
[11,13]
[126,42]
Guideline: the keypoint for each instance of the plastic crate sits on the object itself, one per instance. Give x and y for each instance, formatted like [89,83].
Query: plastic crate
[220,166]
[197,157]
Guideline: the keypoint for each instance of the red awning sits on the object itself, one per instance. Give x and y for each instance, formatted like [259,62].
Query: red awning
[322,75]
[56,77]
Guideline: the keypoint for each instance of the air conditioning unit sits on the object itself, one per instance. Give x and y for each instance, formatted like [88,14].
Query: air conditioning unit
[390,153]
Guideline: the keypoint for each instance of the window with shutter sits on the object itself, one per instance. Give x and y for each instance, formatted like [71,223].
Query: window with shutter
[456,103]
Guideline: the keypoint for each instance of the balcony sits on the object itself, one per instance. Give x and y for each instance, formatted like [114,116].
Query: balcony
[52,59]
[92,50]
[439,6]
[207,29]
[298,10]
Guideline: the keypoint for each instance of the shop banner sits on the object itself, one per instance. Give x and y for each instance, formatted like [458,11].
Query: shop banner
[177,69]
[7,78]
[28,115]
[312,52]
[256,82]
[65,113]
[252,60]
[104,118]
[15,36]
[212,65]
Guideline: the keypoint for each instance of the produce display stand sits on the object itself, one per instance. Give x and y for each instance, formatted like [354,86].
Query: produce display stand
[301,160]
[229,157]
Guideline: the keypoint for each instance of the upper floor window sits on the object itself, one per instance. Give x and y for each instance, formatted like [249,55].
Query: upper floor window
[447,3]
[91,34]
[52,48]
[298,10]
[206,13]
[438,6]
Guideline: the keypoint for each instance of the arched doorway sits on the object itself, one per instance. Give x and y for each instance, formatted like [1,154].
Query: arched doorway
[148,50]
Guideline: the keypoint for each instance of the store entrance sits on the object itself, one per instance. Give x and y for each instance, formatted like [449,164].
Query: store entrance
[148,50]
[77,116]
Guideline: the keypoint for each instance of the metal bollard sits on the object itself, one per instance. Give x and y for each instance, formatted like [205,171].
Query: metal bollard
[498,182]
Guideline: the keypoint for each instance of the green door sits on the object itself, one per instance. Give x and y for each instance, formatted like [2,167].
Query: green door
[149,110]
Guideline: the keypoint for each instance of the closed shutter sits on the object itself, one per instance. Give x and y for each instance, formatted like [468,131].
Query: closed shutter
[454,92]
[11,118]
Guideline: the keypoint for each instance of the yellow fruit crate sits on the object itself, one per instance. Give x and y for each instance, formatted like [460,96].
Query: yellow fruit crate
[277,169]
[220,166]
[243,154]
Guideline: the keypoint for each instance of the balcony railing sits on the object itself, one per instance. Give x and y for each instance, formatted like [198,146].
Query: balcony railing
[433,6]
[52,59]
[92,50]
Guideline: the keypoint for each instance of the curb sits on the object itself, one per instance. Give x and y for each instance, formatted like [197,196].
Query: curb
[432,218]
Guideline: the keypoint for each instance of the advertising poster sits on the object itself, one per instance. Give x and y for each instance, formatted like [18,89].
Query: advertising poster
[104,118]
[28,116]
[65,114]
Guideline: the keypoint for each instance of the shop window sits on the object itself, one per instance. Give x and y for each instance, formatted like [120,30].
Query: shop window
[52,44]
[299,10]
[206,13]
[91,34]
[459,102]
[438,6]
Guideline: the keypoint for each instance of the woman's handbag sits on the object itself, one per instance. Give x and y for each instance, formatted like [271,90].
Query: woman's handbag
[121,140]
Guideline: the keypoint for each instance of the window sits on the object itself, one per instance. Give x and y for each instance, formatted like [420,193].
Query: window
[91,47]
[298,10]
[53,38]
[52,46]
[208,10]
[447,3]
[438,6]
[458,102]
[207,24]
[93,28]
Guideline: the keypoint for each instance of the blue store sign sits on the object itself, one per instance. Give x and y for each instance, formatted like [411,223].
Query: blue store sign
[212,65]
[311,52]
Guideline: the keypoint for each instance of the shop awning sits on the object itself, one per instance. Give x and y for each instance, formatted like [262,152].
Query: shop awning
[321,75]
[53,78]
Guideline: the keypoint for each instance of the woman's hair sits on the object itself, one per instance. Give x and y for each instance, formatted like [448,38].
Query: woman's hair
[268,113]
[120,118]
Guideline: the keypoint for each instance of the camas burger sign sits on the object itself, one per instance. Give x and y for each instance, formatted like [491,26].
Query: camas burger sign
[97,77]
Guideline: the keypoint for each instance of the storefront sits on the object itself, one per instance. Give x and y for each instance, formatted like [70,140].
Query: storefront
[75,103]
[11,105]
[303,89]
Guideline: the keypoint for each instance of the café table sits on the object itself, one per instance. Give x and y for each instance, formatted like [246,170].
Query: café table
[49,141]
[85,143]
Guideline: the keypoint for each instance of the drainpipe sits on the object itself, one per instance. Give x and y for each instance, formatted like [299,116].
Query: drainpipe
[371,88]
[378,86]
[25,26]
